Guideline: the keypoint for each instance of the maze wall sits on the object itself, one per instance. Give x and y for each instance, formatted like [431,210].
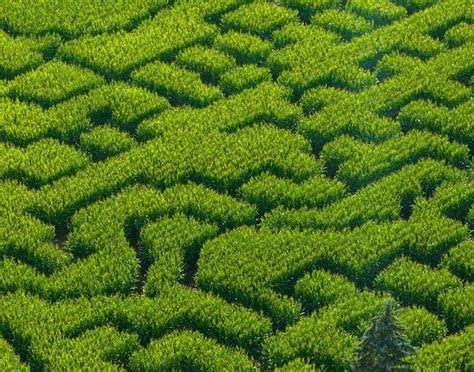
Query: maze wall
[234,184]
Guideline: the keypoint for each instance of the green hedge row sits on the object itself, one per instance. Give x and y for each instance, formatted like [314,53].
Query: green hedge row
[75,18]
[209,63]
[41,162]
[105,141]
[259,17]
[367,162]
[328,337]
[243,77]
[188,350]
[346,24]
[343,113]
[378,11]
[460,34]
[259,268]
[210,10]
[457,306]
[227,162]
[297,364]
[16,198]
[115,55]
[321,288]
[266,102]
[105,261]
[450,199]
[102,348]
[460,260]
[268,191]
[245,48]
[296,34]
[39,330]
[52,83]
[137,205]
[457,123]
[415,5]
[169,246]
[120,104]
[453,353]
[364,115]
[179,85]
[308,8]
[30,240]
[20,54]
[415,283]
[422,327]
[113,270]
[9,361]
[340,64]
[386,199]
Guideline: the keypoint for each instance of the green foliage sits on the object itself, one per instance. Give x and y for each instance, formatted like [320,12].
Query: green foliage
[321,288]
[8,360]
[21,54]
[42,328]
[308,65]
[180,86]
[243,77]
[244,47]
[455,123]
[307,8]
[118,103]
[386,199]
[41,162]
[414,5]
[233,184]
[259,268]
[421,326]
[347,24]
[453,353]
[366,162]
[470,218]
[325,338]
[451,199]
[96,348]
[210,63]
[384,344]
[188,350]
[457,306]
[53,82]
[30,240]
[297,364]
[460,260]
[16,198]
[378,11]
[266,102]
[169,246]
[115,55]
[75,18]
[415,283]
[460,34]
[259,17]
[268,191]
[104,141]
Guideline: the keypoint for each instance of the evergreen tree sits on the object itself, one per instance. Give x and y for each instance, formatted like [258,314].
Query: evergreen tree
[384,344]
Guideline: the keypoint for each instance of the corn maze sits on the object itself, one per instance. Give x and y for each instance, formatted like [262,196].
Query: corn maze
[234,184]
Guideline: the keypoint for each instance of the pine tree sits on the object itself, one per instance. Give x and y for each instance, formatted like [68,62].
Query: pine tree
[384,344]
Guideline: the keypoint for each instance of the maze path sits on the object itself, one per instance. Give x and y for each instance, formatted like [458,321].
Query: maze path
[231,184]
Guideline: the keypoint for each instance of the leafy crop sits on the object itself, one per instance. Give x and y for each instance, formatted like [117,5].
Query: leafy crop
[234,184]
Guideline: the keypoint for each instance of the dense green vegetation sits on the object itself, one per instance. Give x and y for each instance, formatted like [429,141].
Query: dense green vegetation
[235,184]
